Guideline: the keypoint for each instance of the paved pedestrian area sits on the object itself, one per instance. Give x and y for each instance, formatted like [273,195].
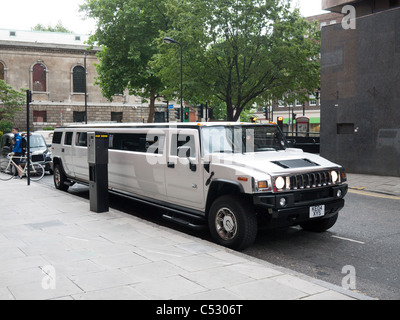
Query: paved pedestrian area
[373,183]
[53,247]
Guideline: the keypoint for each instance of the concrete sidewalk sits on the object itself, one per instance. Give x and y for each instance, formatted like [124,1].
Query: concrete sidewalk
[53,247]
[372,183]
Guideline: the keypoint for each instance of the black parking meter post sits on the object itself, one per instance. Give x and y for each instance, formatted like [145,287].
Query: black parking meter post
[28,145]
[98,171]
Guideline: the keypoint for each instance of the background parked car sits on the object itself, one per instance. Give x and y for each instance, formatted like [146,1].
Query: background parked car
[38,146]
[47,135]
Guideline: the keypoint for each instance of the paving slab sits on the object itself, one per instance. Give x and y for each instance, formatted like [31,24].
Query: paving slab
[53,247]
[372,183]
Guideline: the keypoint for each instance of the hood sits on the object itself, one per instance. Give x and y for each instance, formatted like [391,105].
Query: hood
[289,160]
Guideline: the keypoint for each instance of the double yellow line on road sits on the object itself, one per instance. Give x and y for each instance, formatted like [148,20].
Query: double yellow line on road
[373,194]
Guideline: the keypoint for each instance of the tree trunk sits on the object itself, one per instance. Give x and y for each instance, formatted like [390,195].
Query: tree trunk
[150,119]
[229,110]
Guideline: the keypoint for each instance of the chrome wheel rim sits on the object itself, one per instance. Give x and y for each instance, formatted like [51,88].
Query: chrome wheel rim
[226,224]
[57,177]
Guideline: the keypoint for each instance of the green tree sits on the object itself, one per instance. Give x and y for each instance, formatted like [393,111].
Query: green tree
[126,30]
[58,28]
[239,52]
[11,101]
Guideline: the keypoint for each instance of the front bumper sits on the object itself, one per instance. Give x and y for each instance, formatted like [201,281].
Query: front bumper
[297,205]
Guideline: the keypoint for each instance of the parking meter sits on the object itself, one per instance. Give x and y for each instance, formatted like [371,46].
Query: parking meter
[98,171]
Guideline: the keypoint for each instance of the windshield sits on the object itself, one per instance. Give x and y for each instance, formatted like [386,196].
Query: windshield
[241,139]
[37,141]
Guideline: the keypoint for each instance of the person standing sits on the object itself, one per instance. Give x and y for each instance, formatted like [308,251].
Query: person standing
[17,150]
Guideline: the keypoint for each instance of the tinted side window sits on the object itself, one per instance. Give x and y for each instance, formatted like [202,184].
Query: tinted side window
[8,141]
[138,142]
[68,138]
[57,137]
[183,145]
[81,139]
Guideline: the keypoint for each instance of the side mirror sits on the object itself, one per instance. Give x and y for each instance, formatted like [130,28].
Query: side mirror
[290,144]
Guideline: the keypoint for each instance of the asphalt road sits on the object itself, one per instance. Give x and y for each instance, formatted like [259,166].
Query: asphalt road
[365,238]
[364,243]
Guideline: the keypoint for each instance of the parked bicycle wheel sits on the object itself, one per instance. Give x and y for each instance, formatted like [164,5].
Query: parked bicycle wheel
[6,170]
[36,171]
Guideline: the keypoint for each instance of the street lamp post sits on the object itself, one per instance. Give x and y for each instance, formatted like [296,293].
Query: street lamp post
[170,40]
[85,89]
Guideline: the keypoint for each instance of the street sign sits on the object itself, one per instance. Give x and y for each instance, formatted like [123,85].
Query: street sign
[170,106]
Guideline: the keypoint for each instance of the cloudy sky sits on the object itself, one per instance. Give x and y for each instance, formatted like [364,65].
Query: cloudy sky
[25,14]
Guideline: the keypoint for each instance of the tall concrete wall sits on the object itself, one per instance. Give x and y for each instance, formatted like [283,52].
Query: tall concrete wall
[360,94]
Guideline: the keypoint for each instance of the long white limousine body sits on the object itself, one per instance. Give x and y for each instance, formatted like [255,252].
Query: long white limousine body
[231,177]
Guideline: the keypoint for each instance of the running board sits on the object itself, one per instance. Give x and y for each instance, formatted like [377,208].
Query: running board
[182,221]
[173,214]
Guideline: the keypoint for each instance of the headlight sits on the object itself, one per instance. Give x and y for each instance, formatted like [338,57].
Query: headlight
[279,182]
[334,176]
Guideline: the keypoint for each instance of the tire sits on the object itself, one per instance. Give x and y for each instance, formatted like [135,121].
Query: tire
[47,167]
[6,170]
[232,222]
[320,225]
[36,171]
[59,178]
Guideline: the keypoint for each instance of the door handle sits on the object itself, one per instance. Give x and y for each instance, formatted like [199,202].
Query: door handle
[62,150]
[171,165]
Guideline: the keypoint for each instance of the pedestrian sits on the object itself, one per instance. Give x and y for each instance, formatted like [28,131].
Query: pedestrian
[17,150]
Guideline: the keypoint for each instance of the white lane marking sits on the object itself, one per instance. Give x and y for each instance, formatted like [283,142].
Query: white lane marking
[80,239]
[347,239]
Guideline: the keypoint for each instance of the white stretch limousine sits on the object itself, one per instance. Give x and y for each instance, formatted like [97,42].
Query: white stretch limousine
[231,177]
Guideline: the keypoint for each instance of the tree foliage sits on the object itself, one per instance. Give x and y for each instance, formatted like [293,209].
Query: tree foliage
[58,28]
[239,51]
[235,52]
[126,30]
[11,101]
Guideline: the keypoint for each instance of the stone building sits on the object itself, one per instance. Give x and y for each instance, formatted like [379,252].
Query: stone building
[360,81]
[52,66]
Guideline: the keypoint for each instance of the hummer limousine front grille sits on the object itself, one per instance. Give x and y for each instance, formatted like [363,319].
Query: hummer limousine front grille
[310,180]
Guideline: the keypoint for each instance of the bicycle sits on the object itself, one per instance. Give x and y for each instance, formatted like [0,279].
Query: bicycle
[8,168]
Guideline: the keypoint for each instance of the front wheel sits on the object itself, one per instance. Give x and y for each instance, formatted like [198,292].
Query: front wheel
[59,178]
[36,171]
[232,222]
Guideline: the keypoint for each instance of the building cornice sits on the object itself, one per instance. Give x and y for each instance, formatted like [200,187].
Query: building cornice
[336,5]
[46,47]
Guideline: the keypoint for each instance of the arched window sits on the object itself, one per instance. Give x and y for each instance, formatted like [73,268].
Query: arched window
[79,79]
[2,77]
[39,77]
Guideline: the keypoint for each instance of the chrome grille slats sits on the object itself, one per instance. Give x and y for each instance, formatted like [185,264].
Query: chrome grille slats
[319,180]
[310,180]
